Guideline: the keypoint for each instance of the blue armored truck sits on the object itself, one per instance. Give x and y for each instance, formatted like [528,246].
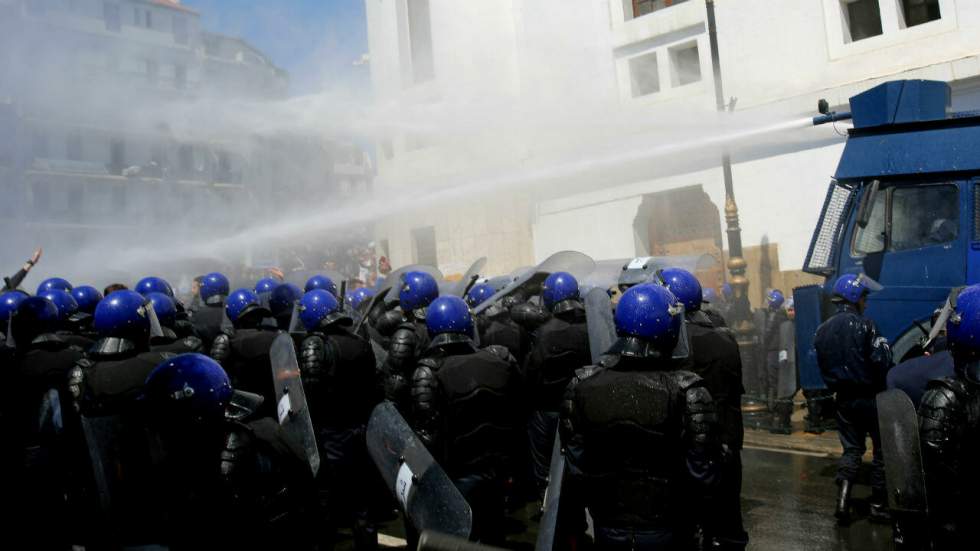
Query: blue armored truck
[903,207]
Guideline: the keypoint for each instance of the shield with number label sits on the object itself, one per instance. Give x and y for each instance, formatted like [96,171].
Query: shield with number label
[291,407]
[424,492]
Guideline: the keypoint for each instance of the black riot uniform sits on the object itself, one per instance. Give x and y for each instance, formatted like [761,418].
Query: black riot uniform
[637,437]
[209,321]
[175,344]
[769,376]
[497,328]
[854,360]
[407,344]
[560,346]
[464,411]
[245,356]
[342,387]
[714,356]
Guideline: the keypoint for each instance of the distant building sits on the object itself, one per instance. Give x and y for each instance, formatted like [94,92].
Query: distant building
[651,58]
[100,141]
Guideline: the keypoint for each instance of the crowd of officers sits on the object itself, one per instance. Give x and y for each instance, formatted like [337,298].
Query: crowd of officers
[136,420]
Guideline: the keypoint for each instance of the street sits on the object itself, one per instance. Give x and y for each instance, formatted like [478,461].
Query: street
[787,504]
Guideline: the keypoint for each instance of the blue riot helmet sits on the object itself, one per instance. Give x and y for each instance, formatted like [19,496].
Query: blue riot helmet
[684,286]
[63,300]
[152,284]
[87,297]
[321,282]
[852,288]
[54,283]
[214,288]
[165,308]
[265,285]
[962,312]
[124,315]
[8,304]
[240,303]
[34,316]
[448,320]
[775,299]
[708,295]
[558,288]
[282,299]
[188,388]
[418,290]
[727,292]
[478,294]
[319,308]
[648,321]
[358,296]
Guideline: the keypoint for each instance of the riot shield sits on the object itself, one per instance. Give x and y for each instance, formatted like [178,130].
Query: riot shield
[435,541]
[378,298]
[394,279]
[599,317]
[463,285]
[552,498]
[424,492]
[809,315]
[904,474]
[291,407]
[578,264]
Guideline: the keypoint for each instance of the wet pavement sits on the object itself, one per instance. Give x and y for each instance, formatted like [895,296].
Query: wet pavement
[787,504]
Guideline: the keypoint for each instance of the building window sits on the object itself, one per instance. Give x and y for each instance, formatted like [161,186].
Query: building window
[917,12]
[685,64]
[644,75]
[424,246]
[74,146]
[180,77]
[643,7]
[181,36]
[420,39]
[861,18]
[110,12]
[152,71]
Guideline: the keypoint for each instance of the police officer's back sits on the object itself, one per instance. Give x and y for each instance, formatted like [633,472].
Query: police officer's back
[209,318]
[411,338]
[170,340]
[495,324]
[466,410]
[639,434]
[245,354]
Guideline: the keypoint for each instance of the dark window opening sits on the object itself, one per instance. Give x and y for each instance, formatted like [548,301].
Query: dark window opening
[917,12]
[424,246]
[910,217]
[643,7]
[862,19]
[644,75]
[686,65]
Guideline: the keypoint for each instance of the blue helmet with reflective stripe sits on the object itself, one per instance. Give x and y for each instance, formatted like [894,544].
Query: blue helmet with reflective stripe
[188,387]
[358,296]
[478,294]
[318,308]
[418,290]
[265,285]
[87,297]
[123,314]
[853,287]
[240,302]
[63,301]
[153,284]
[558,287]
[321,282]
[54,283]
[775,299]
[164,307]
[684,286]
[213,285]
[449,314]
[963,328]
[650,313]
[282,299]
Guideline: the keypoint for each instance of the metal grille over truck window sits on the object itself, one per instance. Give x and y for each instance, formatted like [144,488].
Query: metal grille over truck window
[820,258]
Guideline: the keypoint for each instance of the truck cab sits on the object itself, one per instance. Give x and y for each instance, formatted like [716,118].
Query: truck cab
[903,208]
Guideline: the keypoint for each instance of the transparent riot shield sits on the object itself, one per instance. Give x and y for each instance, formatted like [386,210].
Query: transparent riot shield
[578,264]
[291,405]
[393,280]
[435,541]
[424,492]
[552,499]
[599,317]
[469,278]
[904,474]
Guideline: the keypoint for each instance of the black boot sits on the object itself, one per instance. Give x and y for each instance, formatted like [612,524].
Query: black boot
[879,507]
[782,417]
[843,512]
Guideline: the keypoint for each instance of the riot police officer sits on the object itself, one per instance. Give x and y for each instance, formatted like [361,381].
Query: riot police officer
[71,324]
[320,281]
[464,411]
[153,284]
[342,387]
[410,339]
[774,318]
[949,417]
[9,301]
[639,433]
[854,360]
[281,301]
[495,325]
[170,341]
[714,357]
[35,465]
[209,319]
[222,464]
[560,346]
[245,354]
[59,283]
[87,297]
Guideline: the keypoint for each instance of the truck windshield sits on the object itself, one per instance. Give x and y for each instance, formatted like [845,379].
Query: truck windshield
[910,217]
